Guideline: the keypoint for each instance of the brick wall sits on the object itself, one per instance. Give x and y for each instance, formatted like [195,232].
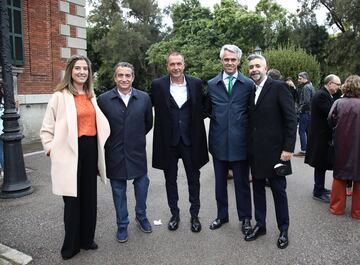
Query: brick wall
[42,43]
[46,42]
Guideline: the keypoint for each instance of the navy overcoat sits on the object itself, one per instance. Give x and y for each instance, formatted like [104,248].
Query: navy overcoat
[228,118]
[125,149]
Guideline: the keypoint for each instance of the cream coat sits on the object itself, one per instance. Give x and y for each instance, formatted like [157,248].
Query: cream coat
[59,134]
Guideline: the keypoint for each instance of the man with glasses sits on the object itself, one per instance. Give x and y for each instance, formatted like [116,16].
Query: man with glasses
[320,136]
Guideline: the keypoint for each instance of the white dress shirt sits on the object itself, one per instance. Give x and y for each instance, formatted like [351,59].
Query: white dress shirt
[179,92]
[258,89]
[125,97]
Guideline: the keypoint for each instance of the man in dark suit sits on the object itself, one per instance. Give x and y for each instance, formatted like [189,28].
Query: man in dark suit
[227,106]
[179,132]
[272,130]
[320,136]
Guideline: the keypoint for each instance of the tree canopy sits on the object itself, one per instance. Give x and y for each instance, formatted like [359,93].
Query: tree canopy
[133,31]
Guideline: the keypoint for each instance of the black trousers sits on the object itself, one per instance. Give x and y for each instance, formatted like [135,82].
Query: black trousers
[278,189]
[319,181]
[193,179]
[80,211]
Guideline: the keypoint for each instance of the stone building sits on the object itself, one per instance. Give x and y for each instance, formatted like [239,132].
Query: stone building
[43,34]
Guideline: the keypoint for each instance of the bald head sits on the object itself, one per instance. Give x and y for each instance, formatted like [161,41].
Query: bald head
[332,83]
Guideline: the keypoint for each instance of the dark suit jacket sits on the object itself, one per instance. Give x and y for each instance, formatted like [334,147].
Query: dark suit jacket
[160,96]
[320,133]
[125,149]
[272,127]
[228,118]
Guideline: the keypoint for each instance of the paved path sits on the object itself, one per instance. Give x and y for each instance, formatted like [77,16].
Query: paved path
[33,225]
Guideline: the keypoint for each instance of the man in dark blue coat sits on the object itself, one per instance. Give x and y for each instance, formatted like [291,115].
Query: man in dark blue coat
[227,106]
[179,132]
[272,135]
[129,113]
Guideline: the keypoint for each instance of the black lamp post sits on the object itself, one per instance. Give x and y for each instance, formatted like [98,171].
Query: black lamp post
[15,182]
[257,50]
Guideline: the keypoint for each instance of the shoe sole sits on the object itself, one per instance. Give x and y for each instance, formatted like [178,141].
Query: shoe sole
[122,241]
[142,229]
[284,246]
[254,238]
[320,200]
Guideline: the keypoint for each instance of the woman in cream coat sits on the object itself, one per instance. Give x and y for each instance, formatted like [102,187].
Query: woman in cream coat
[73,133]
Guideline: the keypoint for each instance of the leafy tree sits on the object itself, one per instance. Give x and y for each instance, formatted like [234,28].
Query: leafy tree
[290,61]
[343,47]
[123,31]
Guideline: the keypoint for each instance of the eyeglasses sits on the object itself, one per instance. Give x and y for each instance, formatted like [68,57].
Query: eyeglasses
[338,84]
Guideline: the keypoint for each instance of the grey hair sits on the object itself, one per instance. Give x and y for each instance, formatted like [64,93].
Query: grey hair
[329,78]
[304,75]
[231,48]
[256,56]
[124,64]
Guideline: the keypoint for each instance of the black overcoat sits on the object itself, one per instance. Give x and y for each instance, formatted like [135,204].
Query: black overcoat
[320,133]
[272,128]
[125,149]
[160,96]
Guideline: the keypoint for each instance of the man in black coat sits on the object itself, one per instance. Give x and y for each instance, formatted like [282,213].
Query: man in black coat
[272,135]
[320,136]
[179,132]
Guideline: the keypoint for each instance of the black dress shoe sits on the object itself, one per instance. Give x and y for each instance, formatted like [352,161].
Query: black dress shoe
[257,231]
[246,228]
[195,224]
[322,197]
[173,223]
[217,223]
[283,240]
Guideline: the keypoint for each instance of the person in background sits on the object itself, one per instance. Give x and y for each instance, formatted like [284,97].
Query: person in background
[128,111]
[73,133]
[344,119]
[272,136]
[306,91]
[179,132]
[320,136]
[227,106]
[274,74]
[289,81]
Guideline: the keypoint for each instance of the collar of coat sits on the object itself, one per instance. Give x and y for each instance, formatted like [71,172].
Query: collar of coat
[115,93]
[240,77]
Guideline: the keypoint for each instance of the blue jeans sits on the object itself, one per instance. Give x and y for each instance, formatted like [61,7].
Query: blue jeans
[304,123]
[118,188]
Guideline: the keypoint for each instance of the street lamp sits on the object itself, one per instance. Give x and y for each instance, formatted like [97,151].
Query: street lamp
[257,50]
[15,182]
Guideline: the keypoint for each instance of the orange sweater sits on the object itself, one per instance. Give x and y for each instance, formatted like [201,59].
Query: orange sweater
[86,116]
